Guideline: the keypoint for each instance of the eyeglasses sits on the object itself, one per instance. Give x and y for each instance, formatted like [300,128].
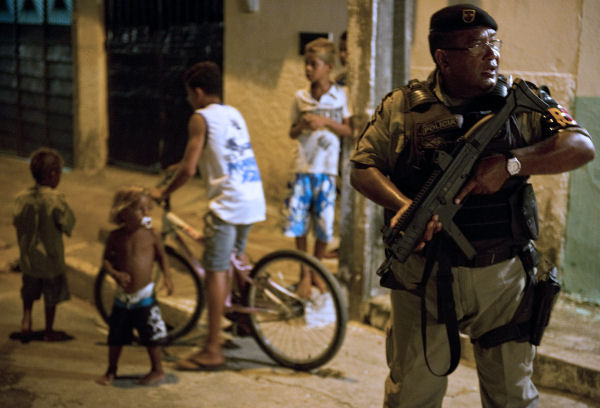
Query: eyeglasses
[479,47]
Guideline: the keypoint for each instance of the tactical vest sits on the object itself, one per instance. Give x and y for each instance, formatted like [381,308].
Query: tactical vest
[486,220]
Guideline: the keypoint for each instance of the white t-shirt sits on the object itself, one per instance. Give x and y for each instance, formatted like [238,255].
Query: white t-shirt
[318,151]
[228,165]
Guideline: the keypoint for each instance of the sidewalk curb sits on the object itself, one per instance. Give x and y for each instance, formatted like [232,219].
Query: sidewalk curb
[549,371]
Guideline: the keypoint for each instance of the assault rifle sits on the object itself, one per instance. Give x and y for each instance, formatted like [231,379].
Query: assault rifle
[452,172]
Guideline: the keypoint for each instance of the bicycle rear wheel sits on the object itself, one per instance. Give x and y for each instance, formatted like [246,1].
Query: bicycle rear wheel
[299,333]
[180,311]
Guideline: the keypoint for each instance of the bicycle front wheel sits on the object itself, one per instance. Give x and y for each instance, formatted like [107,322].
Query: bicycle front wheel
[299,331]
[180,311]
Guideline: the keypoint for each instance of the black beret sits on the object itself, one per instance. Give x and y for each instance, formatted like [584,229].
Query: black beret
[460,17]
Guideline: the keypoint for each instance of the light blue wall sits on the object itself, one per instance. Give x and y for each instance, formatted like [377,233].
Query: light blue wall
[581,269]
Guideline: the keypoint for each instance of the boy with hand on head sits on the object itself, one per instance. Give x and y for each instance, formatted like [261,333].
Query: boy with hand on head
[129,257]
[320,117]
[218,144]
[41,217]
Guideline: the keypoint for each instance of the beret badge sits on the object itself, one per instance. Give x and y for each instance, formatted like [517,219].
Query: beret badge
[460,17]
[468,15]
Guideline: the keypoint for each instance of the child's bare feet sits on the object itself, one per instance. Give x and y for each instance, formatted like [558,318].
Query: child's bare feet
[319,283]
[153,377]
[307,281]
[106,379]
[26,329]
[304,287]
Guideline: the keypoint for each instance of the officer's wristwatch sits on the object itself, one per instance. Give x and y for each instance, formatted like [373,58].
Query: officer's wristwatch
[513,165]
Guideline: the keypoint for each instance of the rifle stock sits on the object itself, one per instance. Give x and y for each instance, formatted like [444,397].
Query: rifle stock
[438,193]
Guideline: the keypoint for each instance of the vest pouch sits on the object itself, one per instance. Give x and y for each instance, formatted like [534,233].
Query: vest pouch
[528,211]
[524,218]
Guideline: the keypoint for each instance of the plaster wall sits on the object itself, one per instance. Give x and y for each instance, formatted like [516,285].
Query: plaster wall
[263,69]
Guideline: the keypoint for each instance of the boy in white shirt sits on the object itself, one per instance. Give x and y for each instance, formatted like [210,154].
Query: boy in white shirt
[320,117]
[219,145]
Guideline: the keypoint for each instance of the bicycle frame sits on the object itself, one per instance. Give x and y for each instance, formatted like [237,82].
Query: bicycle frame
[172,225]
[296,329]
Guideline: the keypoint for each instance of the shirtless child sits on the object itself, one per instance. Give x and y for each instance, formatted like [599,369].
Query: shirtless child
[129,257]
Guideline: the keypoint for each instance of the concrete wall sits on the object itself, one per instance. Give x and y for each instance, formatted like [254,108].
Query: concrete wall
[263,70]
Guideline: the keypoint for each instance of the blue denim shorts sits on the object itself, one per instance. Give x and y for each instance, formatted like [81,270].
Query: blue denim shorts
[221,240]
[312,199]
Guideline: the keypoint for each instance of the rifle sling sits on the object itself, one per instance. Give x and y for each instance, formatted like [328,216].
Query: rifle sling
[445,301]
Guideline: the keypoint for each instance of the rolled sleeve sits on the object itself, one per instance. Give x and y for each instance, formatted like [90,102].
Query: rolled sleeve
[383,138]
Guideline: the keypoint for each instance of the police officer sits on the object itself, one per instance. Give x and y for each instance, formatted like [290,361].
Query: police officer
[392,160]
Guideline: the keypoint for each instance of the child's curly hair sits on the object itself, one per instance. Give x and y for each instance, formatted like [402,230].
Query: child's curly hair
[124,198]
[205,75]
[43,161]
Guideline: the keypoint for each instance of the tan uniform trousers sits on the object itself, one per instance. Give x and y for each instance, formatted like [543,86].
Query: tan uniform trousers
[485,298]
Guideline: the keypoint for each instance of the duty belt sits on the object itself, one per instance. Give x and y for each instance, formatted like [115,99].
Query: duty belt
[487,258]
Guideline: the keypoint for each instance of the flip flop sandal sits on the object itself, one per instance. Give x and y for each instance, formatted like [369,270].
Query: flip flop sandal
[193,365]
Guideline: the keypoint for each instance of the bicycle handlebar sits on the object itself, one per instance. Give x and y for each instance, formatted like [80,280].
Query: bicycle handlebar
[165,204]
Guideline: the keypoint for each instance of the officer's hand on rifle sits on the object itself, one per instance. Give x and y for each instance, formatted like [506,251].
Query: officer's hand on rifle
[489,176]
[377,187]
[433,227]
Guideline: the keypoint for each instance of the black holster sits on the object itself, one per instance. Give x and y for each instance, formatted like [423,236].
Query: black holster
[533,313]
[546,293]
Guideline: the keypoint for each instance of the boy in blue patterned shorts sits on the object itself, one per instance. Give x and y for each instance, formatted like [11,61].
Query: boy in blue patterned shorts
[320,117]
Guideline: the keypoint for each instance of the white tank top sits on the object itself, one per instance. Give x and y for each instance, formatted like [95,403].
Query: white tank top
[228,165]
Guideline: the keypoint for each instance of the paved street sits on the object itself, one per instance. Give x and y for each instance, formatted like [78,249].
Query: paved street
[57,374]
[61,374]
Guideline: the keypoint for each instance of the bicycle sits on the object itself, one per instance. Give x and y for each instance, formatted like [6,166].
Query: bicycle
[298,333]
